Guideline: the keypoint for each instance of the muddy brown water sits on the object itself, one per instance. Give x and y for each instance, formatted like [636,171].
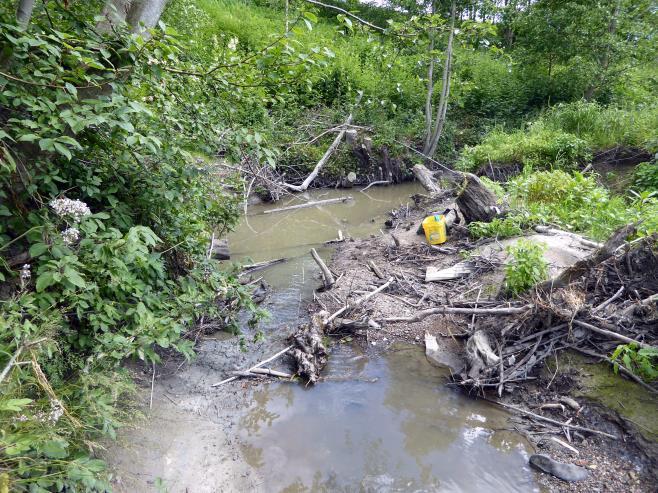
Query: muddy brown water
[376,423]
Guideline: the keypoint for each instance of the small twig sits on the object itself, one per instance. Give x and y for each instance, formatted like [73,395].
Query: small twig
[152,387]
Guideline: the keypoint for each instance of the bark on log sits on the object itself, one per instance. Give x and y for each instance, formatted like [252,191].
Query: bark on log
[476,202]
[426,178]
[310,353]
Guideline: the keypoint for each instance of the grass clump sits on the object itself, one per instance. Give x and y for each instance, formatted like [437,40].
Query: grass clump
[566,136]
[526,267]
[497,228]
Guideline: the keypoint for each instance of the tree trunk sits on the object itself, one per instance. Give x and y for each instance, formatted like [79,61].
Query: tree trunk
[24,12]
[145,14]
[432,142]
[476,202]
[114,13]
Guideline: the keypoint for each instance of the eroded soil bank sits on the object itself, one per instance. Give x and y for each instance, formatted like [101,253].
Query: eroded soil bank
[381,418]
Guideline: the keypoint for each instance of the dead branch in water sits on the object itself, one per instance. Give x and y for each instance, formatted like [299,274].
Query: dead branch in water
[262,363]
[329,280]
[443,310]
[323,160]
[308,204]
[549,420]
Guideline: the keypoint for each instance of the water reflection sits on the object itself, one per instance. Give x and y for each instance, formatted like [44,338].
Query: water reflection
[406,432]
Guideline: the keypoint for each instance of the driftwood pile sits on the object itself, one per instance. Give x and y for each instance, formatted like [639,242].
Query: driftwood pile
[607,299]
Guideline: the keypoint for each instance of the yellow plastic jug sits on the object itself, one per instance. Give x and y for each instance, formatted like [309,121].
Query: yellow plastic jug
[435,229]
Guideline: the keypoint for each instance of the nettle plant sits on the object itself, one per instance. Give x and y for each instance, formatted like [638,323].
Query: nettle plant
[526,267]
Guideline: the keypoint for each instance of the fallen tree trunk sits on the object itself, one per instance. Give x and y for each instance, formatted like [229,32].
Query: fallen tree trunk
[323,160]
[426,178]
[308,204]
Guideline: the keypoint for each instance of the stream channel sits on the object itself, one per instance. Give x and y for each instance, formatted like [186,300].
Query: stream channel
[380,421]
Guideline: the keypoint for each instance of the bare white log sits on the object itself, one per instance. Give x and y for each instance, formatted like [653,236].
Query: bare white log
[360,301]
[262,265]
[308,204]
[262,363]
[329,280]
[553,231]
[334,145]
[256,372]
[443,310]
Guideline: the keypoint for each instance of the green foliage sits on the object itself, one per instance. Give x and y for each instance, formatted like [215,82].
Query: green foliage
[526,266]
[105,218]
[565,136]
[497,228]
[577,202]
[646,177]
[641,362]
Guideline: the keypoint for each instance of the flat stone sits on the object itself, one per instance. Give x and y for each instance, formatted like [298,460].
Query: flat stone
[566,472]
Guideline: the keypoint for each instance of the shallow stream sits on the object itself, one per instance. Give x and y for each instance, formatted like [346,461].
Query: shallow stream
[375,423]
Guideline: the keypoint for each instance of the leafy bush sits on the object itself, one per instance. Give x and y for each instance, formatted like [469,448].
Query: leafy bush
[646,176]
[497,228]
[641,362]
[105,219]
[577,202]
[526,267]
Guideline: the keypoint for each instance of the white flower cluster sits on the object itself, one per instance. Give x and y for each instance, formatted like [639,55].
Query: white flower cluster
[233,44]
[56,412]
[26,274]
[68,208]
[70,236]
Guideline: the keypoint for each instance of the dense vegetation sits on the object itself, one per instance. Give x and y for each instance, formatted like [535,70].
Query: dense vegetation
[110,191]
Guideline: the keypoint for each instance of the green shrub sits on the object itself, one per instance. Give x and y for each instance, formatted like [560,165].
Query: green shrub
[641,362]
[645,176]
[526,266]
